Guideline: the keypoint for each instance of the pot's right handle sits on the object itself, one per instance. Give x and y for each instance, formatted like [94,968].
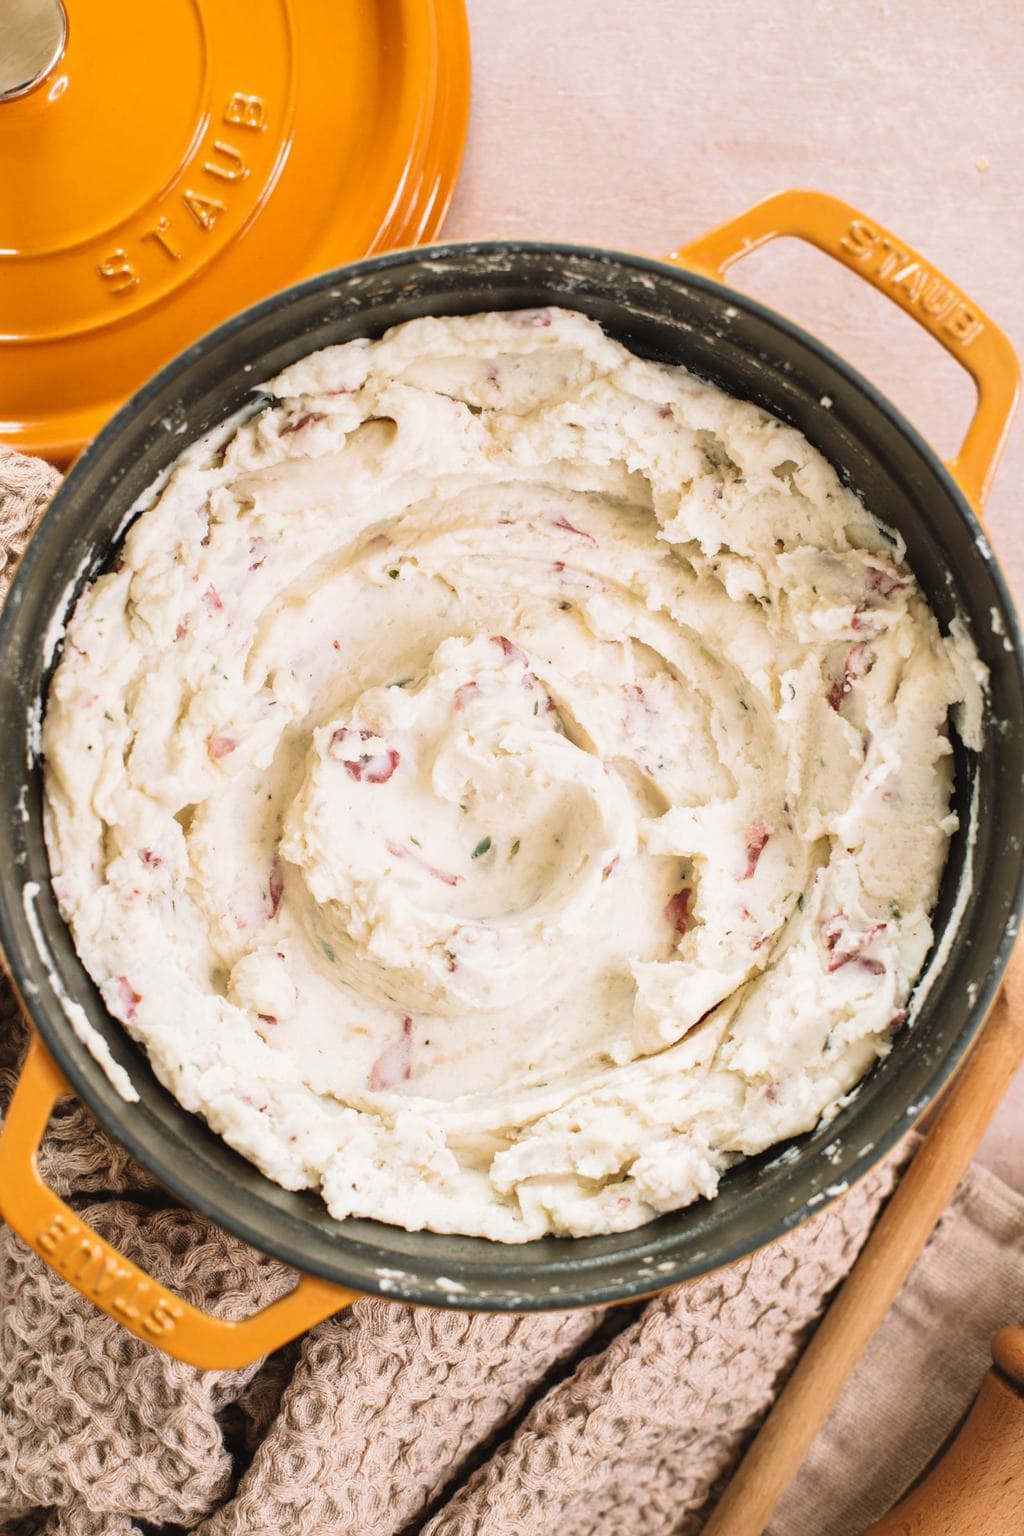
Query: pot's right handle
[895,269]
[109,1280]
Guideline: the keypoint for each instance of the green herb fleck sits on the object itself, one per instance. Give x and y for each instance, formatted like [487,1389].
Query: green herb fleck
[744,706]
[326,950]
[536,705]
[401,682]
[792,690]
[514,849]
[415,841]
[800,902]
[463,806]
[894,911]
[482,847]
[393,573]
[828,1044]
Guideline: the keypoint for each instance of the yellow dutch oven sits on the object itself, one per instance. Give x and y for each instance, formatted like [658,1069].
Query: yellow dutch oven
[678,310]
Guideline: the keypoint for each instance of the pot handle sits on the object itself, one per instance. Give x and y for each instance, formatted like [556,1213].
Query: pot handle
[895,269]
[111,1281]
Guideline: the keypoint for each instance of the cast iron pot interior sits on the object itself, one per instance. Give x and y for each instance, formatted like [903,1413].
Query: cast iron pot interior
[659,312]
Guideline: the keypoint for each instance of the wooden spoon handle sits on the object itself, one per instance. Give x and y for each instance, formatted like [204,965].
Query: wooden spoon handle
[884,1264]
[977,1487]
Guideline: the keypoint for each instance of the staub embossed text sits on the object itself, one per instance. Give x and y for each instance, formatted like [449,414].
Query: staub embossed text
[101,1274]
[912,282]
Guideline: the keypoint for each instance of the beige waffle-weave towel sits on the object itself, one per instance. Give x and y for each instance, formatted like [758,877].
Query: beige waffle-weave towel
[392,1420]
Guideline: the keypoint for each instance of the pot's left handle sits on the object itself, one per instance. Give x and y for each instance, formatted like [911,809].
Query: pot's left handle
[111,1281]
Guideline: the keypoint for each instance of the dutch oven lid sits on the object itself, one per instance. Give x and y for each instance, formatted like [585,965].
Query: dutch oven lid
[162,167]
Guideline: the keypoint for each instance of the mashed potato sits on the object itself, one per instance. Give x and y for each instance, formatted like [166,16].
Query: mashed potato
[506,782]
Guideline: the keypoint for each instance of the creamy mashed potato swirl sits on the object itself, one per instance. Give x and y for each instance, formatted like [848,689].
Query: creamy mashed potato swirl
[506,781]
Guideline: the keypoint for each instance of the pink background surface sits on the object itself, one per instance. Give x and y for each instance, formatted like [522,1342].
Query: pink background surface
[641,123]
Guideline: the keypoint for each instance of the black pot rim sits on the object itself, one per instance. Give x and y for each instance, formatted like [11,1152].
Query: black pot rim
[580,1289]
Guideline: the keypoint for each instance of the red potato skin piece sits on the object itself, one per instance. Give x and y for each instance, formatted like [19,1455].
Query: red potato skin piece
[394,1064]
[757,839]
[129,999]
[371,771]
[874,966]
[857,660]
[833,929]
[399,851]
[855,663]
[220,746]
[374,767]
[638,705]
[275,887]
[677,910]
[579,533]
[508,649]
[302,421]
[883,583]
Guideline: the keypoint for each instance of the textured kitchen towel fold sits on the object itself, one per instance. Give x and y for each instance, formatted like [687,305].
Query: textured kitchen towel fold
[393,1420]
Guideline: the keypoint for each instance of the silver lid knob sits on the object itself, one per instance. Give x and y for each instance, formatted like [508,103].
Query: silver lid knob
[32,38]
